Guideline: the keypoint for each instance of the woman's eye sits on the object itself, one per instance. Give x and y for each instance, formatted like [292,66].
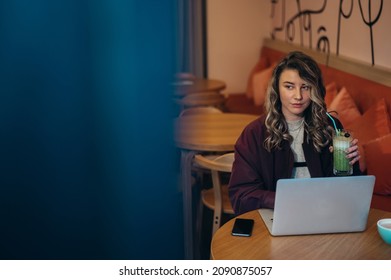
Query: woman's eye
[306,88]
[289,87]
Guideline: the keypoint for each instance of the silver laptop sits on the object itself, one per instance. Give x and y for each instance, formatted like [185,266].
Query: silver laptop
[320,205]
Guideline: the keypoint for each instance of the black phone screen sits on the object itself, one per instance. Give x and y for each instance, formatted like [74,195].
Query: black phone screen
[243,227]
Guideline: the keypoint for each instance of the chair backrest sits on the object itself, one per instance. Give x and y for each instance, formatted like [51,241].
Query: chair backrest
[222,163]
[200,110]
[217,164]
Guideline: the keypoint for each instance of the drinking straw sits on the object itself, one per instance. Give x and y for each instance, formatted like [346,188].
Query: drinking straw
[335,126]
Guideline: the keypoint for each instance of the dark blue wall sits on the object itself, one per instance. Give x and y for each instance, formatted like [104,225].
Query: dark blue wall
[87,160]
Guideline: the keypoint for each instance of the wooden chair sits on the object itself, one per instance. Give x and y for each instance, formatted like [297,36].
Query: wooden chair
[215,198]
[198,170]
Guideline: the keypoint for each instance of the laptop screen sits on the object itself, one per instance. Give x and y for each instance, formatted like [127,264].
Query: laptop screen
[321,205]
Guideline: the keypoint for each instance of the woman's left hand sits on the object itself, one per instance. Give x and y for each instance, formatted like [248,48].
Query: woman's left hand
[353,152]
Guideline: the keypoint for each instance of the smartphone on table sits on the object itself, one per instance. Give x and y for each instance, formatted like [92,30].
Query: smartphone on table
[243,227]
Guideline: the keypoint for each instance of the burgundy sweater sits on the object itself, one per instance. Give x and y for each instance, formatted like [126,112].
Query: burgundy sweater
[255,171]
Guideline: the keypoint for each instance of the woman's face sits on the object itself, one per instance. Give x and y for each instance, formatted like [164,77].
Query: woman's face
[294,95]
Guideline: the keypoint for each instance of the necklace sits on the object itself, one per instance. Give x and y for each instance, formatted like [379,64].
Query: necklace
[295,130]
[297,133]
[295,125]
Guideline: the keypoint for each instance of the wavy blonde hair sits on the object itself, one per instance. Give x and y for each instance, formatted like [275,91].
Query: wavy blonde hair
[315,119]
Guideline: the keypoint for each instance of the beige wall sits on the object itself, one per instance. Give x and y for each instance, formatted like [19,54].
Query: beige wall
[236,29]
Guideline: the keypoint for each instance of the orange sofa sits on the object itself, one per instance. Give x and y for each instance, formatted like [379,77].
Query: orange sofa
[358,93]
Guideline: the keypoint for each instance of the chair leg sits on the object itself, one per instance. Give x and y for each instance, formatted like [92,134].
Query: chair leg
[218,201]
[216,220]
[198,239]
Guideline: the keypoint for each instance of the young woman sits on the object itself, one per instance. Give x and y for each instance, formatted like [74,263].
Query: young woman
[292,140]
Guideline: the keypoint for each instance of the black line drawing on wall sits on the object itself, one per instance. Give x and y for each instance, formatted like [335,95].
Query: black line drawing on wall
[301,22]
[371,22]
[323,41]
[305,23]
[281,26]
[346,16]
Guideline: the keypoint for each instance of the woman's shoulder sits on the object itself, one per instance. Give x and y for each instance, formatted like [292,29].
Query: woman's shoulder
[252,135]
[256,126]
[258,123]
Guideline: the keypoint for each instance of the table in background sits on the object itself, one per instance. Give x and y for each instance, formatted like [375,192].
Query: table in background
[199,92]
[184,87]
[365,245]
[203,133]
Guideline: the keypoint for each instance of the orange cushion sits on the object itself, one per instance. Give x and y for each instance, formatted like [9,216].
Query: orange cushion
[331,92]
[346,108]
[378,159]
[260,84]
[262,64]
[373,124]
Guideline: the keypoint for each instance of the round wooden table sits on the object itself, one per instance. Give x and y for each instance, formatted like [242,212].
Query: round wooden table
[184,87]
[198,92]
[203,133]
[365,245]
[210,132]
[214,99]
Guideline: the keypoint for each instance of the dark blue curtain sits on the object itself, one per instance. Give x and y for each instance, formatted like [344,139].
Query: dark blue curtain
[87,157]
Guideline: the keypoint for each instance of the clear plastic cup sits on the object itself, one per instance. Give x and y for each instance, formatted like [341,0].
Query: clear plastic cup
[341,142]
